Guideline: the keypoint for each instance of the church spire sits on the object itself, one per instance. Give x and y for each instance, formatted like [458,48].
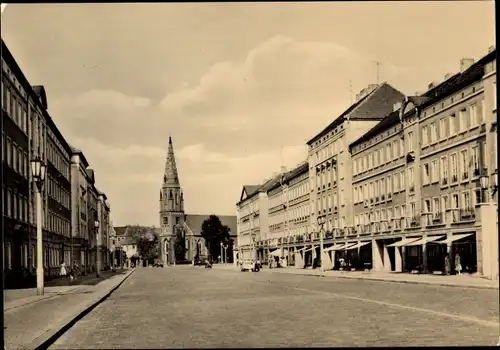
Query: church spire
[171,177]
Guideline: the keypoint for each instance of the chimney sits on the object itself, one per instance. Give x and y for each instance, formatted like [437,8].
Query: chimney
[358,97]
[465,63]
[432,85]
[396,106]
[491,49]
[283,169]
[371,87]
[448,76]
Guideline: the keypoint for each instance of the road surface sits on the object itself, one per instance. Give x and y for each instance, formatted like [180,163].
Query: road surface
[193,307]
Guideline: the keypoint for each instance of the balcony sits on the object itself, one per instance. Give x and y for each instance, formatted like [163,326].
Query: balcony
[328,235]
[467,214]
[414,222]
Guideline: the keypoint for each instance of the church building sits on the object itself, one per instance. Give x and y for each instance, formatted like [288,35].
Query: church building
[173,219]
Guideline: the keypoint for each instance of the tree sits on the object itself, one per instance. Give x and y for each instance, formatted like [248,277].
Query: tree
[147,243]
[214,233]
[179,244]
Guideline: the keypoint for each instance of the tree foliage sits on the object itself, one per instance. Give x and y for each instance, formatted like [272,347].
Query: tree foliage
[147,242]
[214,233]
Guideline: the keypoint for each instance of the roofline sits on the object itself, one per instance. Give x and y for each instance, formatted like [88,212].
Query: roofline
[292,174]
[11,62]
[79,153]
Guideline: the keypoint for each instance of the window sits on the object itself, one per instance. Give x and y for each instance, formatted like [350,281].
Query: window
[444,203]
[382,188]
[411,178]
[454,168]
[389,185]
[410,142]
[365,163]
[425,136]
[455,204]
[434,171]
[376,159]
[427,206]
[477,196]
[433,133]
[341,199]
[425,174]
[388,152]
[370,161]
[473,115]
[395,149]
[376,189]
[402,180]
[442,128]
[494,93]
[464,165]
[462,120]
[453,124]
[370,189]
[396,182]
[444,170]
[466,201]
[9,151]
[435,207]
[355,167]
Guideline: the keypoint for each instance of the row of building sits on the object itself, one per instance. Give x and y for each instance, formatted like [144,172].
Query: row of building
[394,183]
[71,202]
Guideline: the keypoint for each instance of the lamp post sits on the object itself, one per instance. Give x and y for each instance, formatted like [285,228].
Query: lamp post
[321,223]
[221,253]
[38,174]
[225,253]
[96,227]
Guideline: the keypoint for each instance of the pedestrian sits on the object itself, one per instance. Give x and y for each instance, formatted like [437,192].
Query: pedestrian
[62,271]
[447,264]
[458,265]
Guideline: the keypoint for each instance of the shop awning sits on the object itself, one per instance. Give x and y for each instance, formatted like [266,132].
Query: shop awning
[279,252]
[357,245]
[329,248]
[300,250]
[455,238]
[309,249]
[424,240]
[403,242]
[343,246]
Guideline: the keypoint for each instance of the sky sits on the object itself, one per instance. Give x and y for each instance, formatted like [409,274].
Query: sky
[240,87]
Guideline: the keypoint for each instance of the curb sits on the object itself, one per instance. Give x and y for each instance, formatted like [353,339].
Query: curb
[384,280]
[50,336]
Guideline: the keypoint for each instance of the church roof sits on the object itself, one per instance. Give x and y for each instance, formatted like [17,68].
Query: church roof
[194,221]
[171,176]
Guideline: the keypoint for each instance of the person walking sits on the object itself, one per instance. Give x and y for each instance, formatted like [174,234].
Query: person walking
[63,273]
[458,264]
[447,266]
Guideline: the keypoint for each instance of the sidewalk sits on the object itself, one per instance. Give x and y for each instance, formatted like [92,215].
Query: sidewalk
[467,281]
[30,320]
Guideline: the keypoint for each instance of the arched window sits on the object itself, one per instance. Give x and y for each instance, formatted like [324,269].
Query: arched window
[170,196]
[176,198]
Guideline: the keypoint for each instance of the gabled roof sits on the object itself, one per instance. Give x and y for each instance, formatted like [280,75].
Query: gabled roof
[125,241]
[389,121]
[373,106]
[195,221]
[289,175]
[120,230]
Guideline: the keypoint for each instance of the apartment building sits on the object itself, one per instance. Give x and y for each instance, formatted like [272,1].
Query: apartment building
[288,214]
[252,220]
[330,164]
[81,228]
[29,131]
[103,213]
[416,187]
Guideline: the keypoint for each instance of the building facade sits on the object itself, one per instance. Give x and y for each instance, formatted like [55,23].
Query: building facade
[399,182]
[421,199]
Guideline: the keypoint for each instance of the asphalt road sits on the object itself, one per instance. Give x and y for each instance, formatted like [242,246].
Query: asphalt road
[191,307]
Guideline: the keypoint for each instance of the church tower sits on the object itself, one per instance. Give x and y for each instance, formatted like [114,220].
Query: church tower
[171,206]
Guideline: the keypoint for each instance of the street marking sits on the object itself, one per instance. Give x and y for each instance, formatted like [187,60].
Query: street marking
[412,308]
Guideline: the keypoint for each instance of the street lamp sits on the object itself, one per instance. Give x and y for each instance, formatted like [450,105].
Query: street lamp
[321,223]
[96,227]
[485,185]
[221,254]
[38,175]
[225,253]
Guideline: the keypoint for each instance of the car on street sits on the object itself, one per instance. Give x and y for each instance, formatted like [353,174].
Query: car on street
[158,263]
[247,265]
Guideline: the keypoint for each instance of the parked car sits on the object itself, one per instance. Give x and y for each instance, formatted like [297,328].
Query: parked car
[248,265]
[158,263]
